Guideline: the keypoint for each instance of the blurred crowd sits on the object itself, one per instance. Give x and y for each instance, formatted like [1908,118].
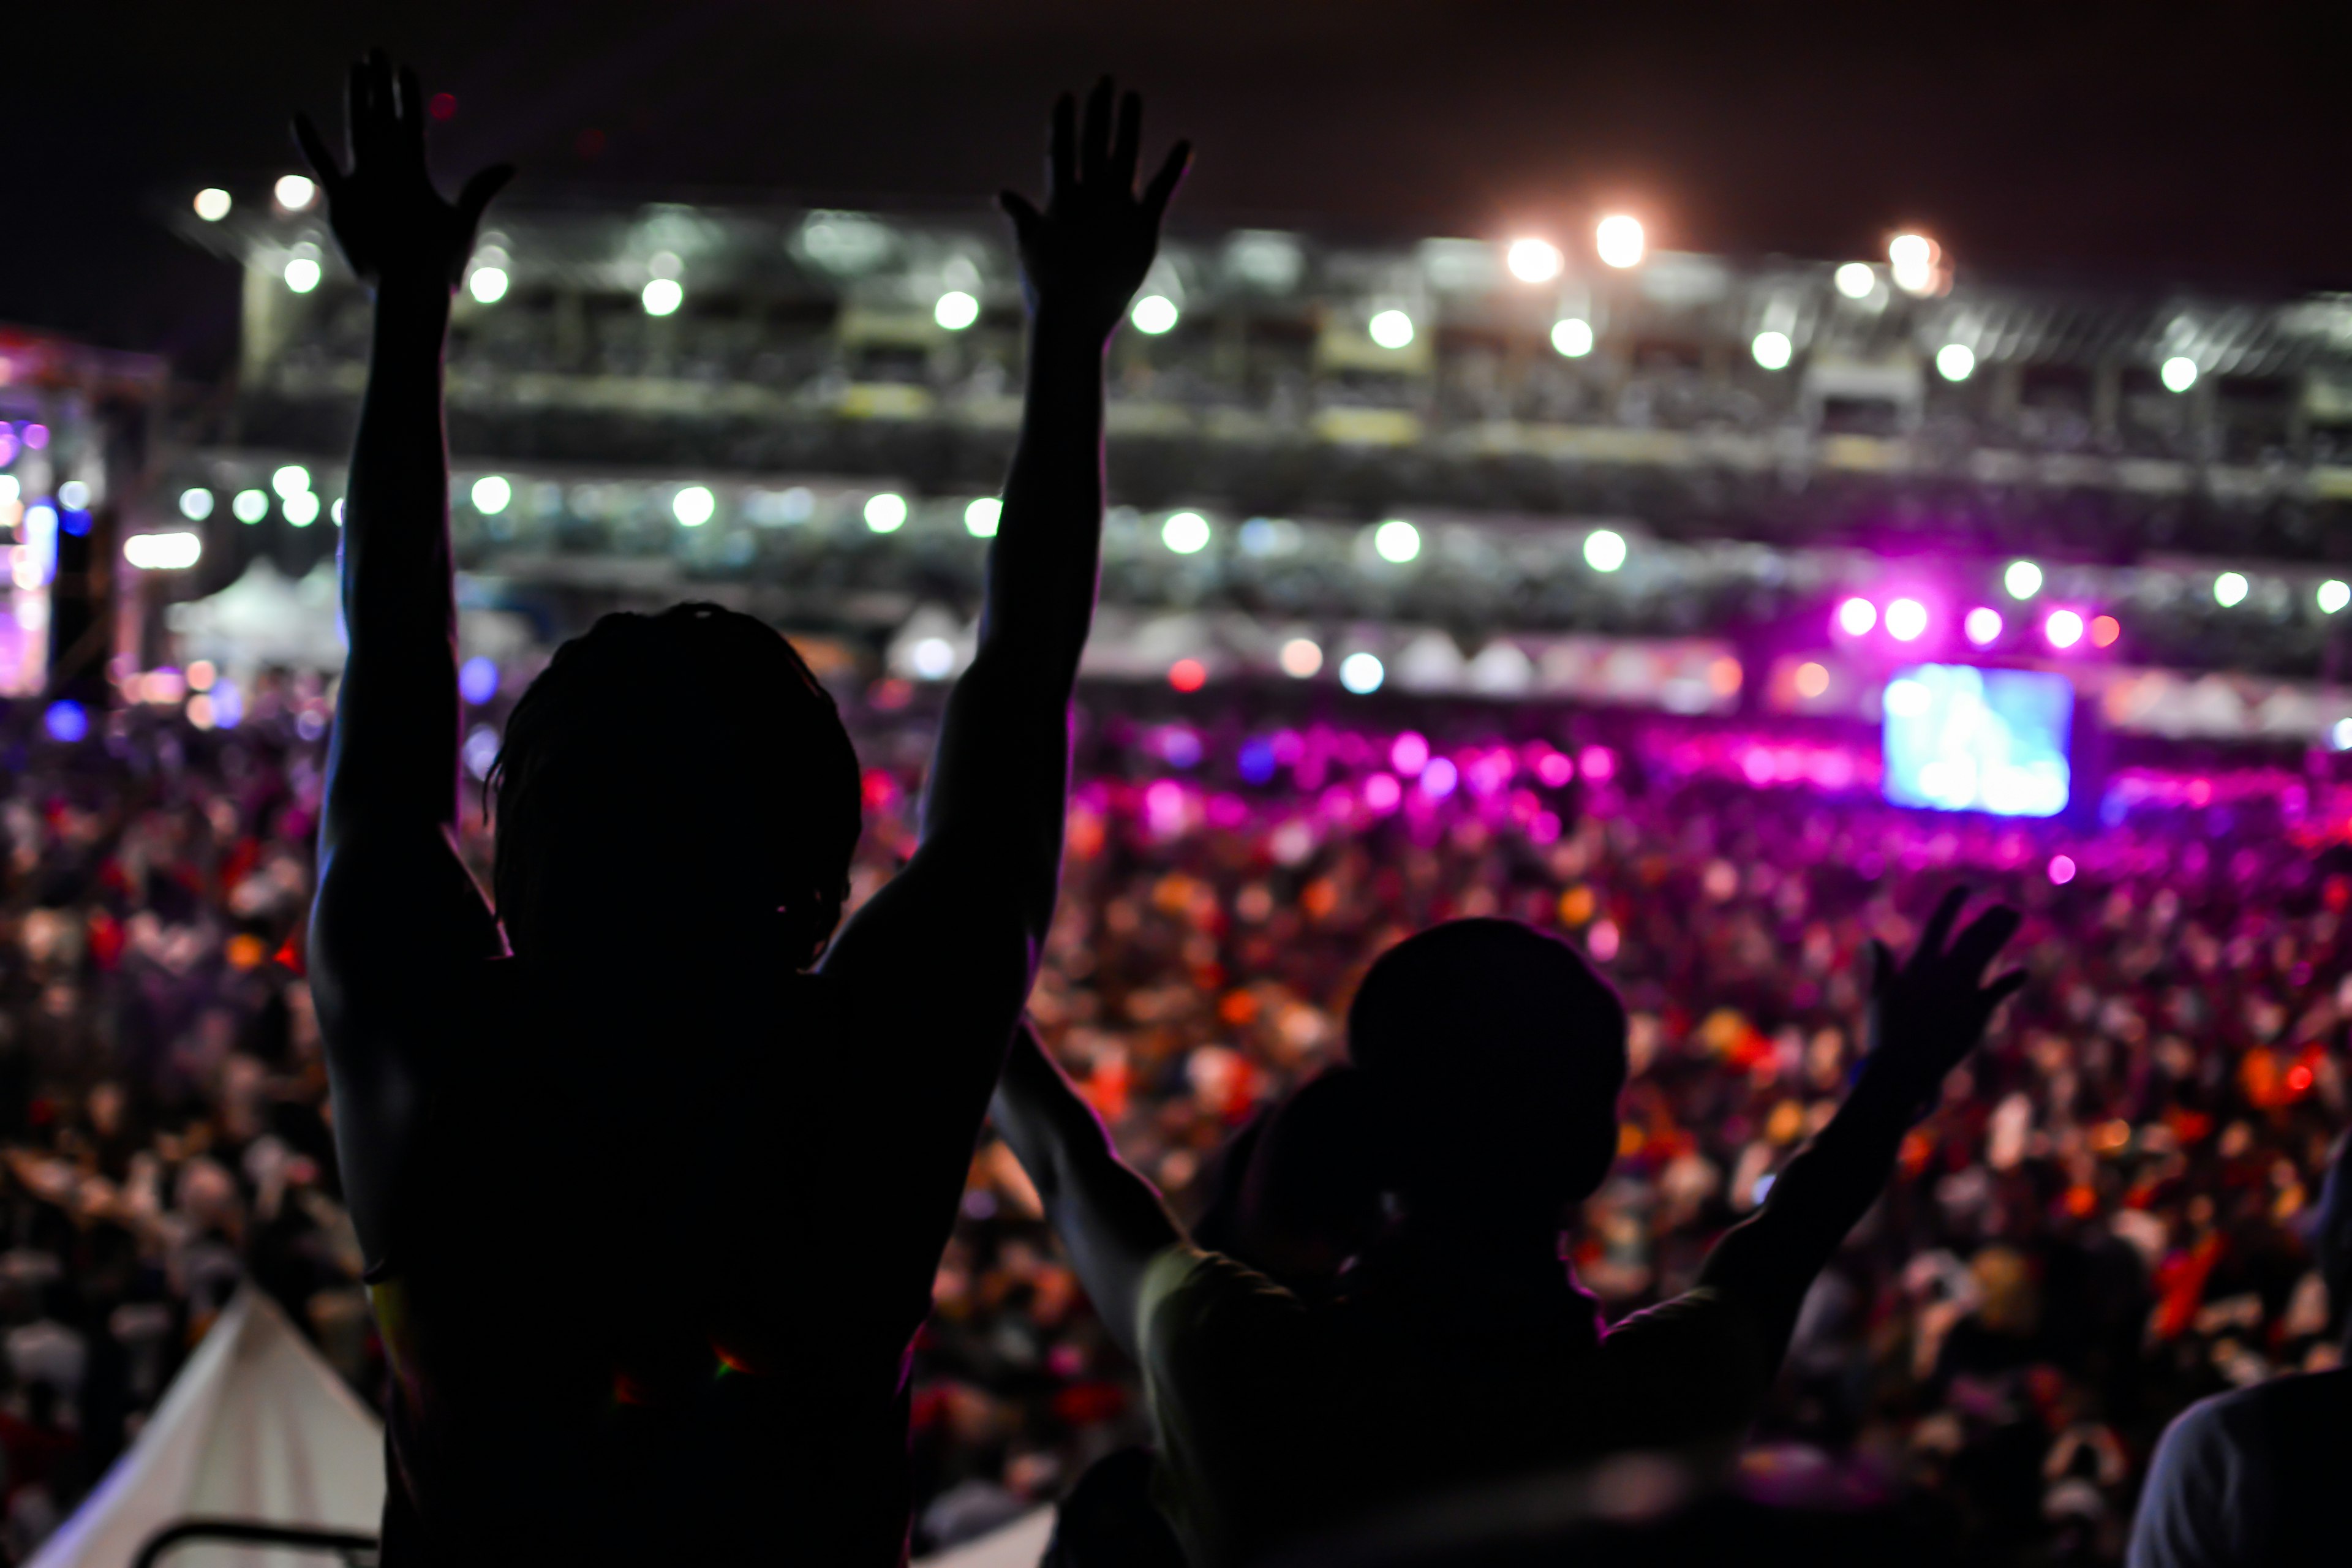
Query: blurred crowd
[2105,1220]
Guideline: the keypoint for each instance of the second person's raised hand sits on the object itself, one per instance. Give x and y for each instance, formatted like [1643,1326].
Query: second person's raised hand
[1082,257]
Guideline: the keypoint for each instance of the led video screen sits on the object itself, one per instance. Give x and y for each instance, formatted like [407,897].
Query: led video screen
[1964,739]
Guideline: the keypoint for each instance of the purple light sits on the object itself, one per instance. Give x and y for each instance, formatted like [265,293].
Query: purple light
[1983,625]
[1438,779]
[1856,616]
[1383,793]
[1906,620]
[1555,768]
[36,436]
[2062,630]
[1596,762]
[66,720]
[2062,869]
[477,680]
[1410,755]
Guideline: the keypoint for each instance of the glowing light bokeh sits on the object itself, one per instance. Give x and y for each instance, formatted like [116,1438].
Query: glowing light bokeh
[980,517]
[1362,673]
[66,720]
[249,506]
[1187,675]
[1604,550]
[693,505]
[1533,261]
[662,296]
[477,680]
[2105,630]
[1956,362]
[1185,532]
[1571,337]
[172,552]
[1397,541]
[213,204]
[302,274]
[1619,240]
[2062,869]
[1154,314]
[490,494]
[1301,657]
[886,511]
[1773,351]
[1855,617]
[956,310]
[295,193]
[2231,589]
[2178,373]
[1391,330]
[488,285]
[2333,596]
[197,505]
[2023,579]
[1906,620]
[1855,279]
[2062,630]
[1911,259]
[1983,625]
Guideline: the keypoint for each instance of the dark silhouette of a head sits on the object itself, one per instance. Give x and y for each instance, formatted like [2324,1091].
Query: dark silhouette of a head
[2332,1229]
[1499,1052]
[1298,1193]
[673,785]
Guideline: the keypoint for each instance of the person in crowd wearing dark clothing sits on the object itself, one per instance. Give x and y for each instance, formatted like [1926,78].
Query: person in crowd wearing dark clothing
[655,1043]
[2248,1478]
[1459,1350]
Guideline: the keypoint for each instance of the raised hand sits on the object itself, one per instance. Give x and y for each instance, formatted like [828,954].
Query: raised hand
[1928,1015]
[1084,256]
[394,227]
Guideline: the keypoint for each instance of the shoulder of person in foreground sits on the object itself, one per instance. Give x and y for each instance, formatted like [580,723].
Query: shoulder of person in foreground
[1926,1016]
[2194,1509]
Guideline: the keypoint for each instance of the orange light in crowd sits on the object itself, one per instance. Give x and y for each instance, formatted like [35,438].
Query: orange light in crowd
[1187,675]
[2105,630]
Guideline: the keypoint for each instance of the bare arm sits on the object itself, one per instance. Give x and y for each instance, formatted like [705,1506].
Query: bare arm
[1110,1219]
[1926,1016]
[396,906]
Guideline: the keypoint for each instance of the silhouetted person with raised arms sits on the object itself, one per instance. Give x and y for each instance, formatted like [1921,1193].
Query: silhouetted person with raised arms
[1459,1350]
[652,1198]
[2256,1479]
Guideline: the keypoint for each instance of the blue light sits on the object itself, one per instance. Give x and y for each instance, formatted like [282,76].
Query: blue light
[228,705]
[74,522]
[66,720]
[1963,739]
[1257,760]
[477,680]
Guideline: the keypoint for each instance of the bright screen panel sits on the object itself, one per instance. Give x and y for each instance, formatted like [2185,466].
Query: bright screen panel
[1964,739]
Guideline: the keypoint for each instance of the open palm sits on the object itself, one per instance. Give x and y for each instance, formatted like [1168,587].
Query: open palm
[394,227]
[1927,1015]
[1085,254]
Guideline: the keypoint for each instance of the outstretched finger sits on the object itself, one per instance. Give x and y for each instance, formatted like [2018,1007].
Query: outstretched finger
[1127,144]
[1094,156]
[1164,183]
[1985,936]
[485,183]
[1999,991]
[316,154]
[412,107]
[1061,156]
[357,125]
[383,103]
[1939,930]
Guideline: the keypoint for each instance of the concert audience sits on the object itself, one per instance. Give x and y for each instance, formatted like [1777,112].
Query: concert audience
[2108,1218]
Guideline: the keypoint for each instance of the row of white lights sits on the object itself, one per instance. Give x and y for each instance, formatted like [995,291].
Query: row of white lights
[2024,580]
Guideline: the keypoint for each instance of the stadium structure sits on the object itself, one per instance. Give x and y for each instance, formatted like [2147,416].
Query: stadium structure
[1515,469]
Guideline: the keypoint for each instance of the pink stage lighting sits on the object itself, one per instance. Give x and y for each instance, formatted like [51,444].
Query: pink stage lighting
[1906,620]
[2062,630]
[1856,616]
[1983,625]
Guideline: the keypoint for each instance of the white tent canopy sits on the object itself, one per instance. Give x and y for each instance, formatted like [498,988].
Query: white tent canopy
[257,1427]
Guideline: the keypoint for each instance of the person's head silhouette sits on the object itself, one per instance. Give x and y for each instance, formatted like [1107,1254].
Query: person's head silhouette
[674,786]
[1498,1052]
[2332,1232]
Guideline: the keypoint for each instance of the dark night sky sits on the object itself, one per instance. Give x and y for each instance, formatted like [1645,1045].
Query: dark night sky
[2137,143]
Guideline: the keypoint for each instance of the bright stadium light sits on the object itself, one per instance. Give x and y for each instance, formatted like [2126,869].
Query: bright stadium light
[195,505]
[886,512]
[1572,337]
[2334,595]
[1533,261]
[1391,330]
[956,310]
[1855,281]
[1983,625]
[693,505]
[1362,673]
[293,479]
[302,274]
[1397,541]
[980,517]
[213,204]
[1619,240]
[490,494]
[2230,588]
[2178,373]
[488,285]
[301,508]
[1604,550]
[2023,579]
[1855,617]
[1772,349]
[1906,620]
[1911,257]
[1301,657]
[249,506]
[1956,362]
[2062,630]
[164,551]
[662,296]
[295,193]
[1185,532]
[1153,314]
